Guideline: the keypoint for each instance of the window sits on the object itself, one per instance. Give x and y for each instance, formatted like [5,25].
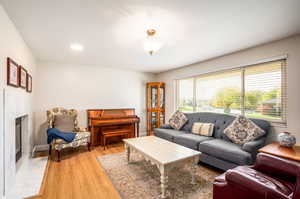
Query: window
[263,91]
[219,92]
[256,91]
[185,95]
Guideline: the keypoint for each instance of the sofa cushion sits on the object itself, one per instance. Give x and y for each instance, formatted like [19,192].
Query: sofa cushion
[167,134]
[165,126]
[263,124]
[243,130]
[227,151]
[190,140]
[221,121]
[177,120]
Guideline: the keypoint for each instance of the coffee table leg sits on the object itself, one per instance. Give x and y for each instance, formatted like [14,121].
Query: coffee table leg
[127,149]
[163,181]
[194,169]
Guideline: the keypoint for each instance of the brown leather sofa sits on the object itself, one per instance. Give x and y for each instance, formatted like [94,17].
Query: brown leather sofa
[271,177]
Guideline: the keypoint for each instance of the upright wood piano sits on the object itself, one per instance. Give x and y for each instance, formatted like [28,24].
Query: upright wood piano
[114,123]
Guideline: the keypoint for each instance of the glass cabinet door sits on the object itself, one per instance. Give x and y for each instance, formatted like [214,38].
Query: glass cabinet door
[155,105]
[162,96]
[162,118]
[154,96]
[153,120]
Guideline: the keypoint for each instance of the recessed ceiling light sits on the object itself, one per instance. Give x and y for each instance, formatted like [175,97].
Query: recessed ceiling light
[76,47]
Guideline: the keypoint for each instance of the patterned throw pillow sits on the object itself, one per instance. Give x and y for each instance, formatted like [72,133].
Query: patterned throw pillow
[243,130]
[205,129]
[178,120]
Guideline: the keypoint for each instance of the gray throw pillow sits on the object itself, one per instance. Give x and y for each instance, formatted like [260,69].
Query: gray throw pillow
[243,130]
[64,123]
[178,120]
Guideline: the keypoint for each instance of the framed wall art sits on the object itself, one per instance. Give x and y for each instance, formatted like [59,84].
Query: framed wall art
[22,77]
[29,83]
[12,73]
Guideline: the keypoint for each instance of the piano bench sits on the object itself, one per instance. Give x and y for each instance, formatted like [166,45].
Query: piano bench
[114,133]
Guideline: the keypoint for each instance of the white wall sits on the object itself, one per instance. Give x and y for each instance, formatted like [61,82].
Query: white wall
[289,46]
[1,143]
[12,45]
[87,87]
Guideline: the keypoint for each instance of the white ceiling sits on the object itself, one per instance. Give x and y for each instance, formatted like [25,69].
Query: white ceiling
[112,31]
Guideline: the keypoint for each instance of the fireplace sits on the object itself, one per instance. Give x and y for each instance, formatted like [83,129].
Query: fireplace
[18,138]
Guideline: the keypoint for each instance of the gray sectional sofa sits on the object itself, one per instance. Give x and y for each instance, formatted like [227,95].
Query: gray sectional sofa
[218,150]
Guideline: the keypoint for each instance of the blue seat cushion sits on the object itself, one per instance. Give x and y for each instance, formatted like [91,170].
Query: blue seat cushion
[167,134]
[190,140]
[227,151]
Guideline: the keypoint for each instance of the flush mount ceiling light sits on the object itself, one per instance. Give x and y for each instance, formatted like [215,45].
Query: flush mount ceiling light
[152,44]
[76,47]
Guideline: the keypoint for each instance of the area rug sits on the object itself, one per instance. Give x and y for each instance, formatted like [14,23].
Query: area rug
[141,180]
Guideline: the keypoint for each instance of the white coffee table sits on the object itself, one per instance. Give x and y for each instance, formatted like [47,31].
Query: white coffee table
[164,154]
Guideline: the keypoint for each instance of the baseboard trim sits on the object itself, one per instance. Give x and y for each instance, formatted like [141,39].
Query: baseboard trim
[43,147]
[39,148]
[34,197]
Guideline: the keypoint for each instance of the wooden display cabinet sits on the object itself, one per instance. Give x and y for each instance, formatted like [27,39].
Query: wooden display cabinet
[155,102]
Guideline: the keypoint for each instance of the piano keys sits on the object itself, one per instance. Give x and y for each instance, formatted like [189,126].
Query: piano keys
[104,123]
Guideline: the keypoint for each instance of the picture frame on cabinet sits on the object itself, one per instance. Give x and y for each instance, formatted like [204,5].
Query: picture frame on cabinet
[29,83]
[12,73]
[22,77]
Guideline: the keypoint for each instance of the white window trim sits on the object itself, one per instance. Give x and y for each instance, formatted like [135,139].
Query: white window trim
[262,61]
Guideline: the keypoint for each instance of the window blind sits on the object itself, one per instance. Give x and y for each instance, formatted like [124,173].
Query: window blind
[219,92]
[256,91]
[265,91]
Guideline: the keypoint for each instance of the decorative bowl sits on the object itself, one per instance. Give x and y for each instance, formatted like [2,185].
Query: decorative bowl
[286,139]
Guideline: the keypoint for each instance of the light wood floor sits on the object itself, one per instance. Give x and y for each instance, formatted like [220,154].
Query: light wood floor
[79,176]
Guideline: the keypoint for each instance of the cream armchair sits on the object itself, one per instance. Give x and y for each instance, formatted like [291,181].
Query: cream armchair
[82,135]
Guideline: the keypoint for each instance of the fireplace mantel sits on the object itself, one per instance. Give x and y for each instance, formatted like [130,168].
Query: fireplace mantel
[15,106]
